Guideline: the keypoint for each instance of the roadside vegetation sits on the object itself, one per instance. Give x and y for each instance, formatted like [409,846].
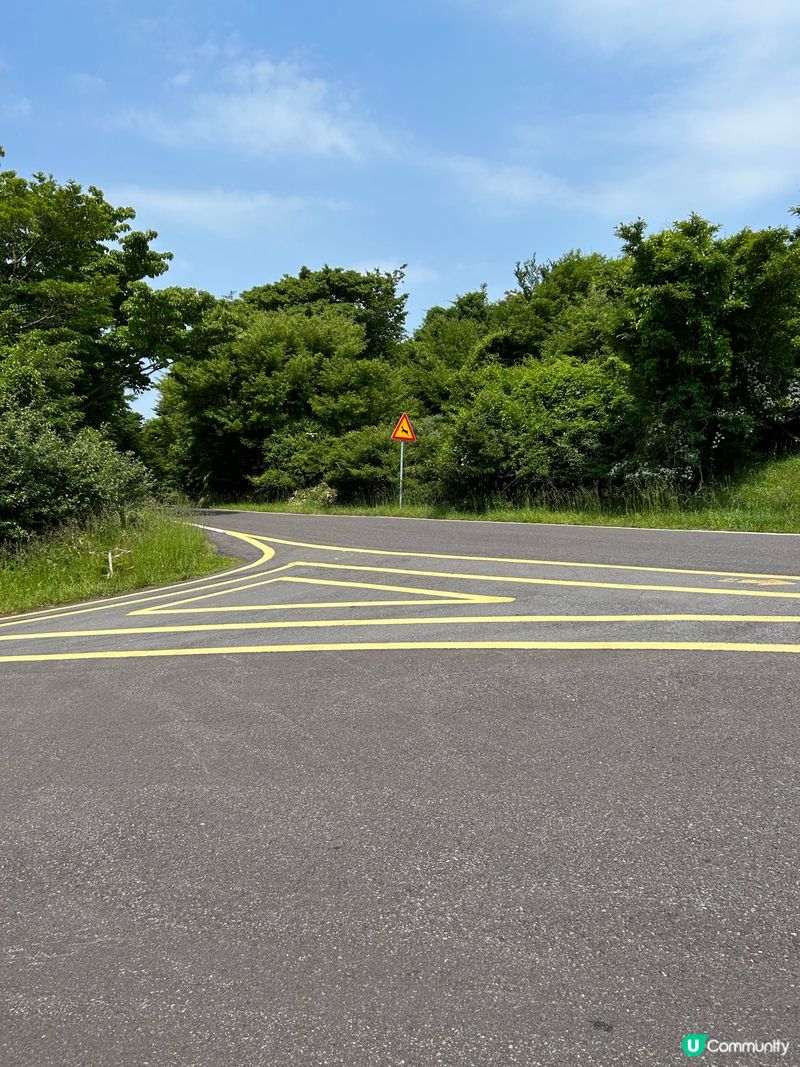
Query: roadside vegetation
[656,387]
[80,333]
[767,499]
[153,547]
[658,374]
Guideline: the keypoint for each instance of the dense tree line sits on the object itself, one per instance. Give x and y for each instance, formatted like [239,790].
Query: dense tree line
[675,361]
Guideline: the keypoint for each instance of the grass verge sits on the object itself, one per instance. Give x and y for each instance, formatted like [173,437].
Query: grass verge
[152,547]
[766,499]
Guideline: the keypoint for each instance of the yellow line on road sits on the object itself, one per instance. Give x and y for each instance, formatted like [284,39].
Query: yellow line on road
[246,608]
[411,646]
[443,620]
[432,596]
[516,559]
[522,580]
[222,589]
[470,598]
[264,543]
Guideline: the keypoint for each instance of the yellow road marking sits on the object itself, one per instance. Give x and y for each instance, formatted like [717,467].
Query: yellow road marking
[516,559]
[432,596]
[523,580]
[233,583]
[246,609]
[266,578]
[469,598]
[362,646]
[443,620]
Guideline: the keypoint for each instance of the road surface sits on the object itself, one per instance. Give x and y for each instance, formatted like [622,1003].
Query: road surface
[406,792]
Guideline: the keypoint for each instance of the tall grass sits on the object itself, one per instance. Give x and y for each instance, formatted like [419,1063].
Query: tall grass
[766,498]
[152,547]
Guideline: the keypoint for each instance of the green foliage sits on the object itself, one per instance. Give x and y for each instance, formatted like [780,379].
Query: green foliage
[354,392]
[293,460]
[565,307]
[40,375]
[711,334]
[369,299]
[363,465]
[440,349]
[767,498]
[287,381]
[548,424]
[47,479]
[674,363]
[70,272]
[151,547]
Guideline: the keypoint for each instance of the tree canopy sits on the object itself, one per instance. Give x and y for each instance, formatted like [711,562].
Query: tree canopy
[675,361]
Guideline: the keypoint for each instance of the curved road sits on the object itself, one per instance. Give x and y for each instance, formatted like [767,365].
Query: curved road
[407,792]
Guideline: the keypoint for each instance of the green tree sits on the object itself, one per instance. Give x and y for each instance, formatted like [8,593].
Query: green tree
[711,337]
[440,349]
[573,296]
[71,273]
[560,423]
[370,299]
[227,420]
[37,374]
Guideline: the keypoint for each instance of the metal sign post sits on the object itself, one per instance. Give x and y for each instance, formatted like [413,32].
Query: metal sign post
[403,432]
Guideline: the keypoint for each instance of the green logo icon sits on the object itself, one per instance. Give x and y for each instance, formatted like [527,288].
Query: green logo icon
[694,1044]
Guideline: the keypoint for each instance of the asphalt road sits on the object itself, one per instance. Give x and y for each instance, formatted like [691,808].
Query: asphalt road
[403,792]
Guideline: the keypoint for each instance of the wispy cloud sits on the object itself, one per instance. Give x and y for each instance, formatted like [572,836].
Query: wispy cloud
[223,212]
[617,24]
[504,187]
[89,84]
[258,107]
[723,129]
[14,107]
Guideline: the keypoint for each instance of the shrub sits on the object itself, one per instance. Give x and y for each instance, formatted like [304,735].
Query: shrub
[556,424]
[47,478]
[362,465]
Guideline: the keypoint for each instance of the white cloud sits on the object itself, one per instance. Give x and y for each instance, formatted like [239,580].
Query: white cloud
[181,79]
[15,107]
[504,187]
[260,108]
[652,24]
[224,212]
[90,84]
[716,123]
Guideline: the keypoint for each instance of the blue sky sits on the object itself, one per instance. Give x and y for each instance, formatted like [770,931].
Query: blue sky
[456,136]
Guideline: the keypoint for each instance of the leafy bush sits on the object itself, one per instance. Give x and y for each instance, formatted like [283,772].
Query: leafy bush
[555,424]
[47,478]
[363,465]
[294,460]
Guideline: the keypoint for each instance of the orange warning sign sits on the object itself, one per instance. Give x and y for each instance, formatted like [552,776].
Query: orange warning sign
[404,431]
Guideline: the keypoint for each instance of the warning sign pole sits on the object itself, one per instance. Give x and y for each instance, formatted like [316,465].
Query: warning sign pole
[403,432]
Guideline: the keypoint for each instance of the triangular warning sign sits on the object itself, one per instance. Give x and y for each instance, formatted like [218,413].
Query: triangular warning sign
[404,431]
